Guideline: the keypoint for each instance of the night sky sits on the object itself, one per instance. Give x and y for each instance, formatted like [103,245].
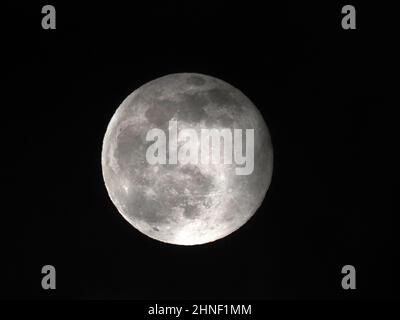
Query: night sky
[321,90]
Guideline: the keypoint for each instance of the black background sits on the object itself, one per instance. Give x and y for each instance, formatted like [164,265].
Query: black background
[321,89]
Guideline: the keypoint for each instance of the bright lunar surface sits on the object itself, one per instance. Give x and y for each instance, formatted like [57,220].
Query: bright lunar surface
[192,203]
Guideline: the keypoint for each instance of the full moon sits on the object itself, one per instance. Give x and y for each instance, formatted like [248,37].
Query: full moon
[185,203]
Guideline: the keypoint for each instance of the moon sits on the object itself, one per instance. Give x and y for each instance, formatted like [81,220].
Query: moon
[184,204]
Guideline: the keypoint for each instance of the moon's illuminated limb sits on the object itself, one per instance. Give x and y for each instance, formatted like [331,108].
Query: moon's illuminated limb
[184,204]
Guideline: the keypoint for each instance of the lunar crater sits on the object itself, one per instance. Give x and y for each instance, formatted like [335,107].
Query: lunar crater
[185,204]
